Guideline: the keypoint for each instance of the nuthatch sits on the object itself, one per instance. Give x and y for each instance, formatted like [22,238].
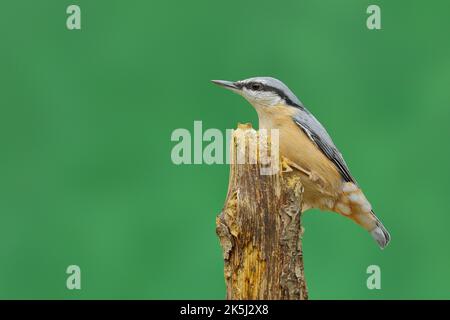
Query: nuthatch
[327,182]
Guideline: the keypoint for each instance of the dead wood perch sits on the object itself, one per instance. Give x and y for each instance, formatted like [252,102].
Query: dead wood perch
[260,228]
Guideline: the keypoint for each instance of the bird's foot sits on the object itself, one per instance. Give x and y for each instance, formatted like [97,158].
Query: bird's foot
[289,166]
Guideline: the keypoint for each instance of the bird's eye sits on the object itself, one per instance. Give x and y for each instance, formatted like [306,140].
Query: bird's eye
[256,86]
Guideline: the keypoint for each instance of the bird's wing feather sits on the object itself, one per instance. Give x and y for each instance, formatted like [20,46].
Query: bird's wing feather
[317,133]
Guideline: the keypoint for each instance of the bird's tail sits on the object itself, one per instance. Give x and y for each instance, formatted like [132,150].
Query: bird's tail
[379,233]
[353,204]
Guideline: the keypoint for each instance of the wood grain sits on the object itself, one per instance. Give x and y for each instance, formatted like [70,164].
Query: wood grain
[260,228]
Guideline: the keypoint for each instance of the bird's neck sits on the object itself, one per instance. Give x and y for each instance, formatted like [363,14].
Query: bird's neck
[274,116]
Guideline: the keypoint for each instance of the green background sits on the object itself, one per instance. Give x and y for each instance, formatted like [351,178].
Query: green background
[86,116]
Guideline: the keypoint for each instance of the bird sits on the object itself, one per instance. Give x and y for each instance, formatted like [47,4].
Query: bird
[326,179]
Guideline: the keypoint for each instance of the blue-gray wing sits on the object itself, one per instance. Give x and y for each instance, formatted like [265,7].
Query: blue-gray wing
[317,133]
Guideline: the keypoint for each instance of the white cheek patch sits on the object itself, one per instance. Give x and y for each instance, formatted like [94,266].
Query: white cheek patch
[261,98]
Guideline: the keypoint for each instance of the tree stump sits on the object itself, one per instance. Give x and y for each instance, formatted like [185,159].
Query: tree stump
[260,227]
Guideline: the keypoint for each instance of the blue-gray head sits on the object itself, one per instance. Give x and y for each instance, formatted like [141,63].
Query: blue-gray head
[262,91]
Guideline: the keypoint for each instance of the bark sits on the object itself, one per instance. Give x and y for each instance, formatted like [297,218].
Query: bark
[260,227]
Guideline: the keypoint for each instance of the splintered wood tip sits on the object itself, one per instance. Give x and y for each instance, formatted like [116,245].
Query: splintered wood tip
[247,125]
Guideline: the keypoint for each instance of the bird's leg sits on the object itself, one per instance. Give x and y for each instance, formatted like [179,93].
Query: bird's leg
[311,174]
[288,165]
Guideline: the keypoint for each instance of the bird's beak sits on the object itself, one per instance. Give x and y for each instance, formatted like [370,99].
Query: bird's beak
[226,84]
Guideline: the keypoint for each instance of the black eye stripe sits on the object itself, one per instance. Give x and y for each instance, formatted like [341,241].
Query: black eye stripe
[284,96]
[268,88]
[255,86]
[277,91]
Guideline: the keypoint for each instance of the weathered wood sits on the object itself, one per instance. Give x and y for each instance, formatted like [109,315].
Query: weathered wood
[260,229]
